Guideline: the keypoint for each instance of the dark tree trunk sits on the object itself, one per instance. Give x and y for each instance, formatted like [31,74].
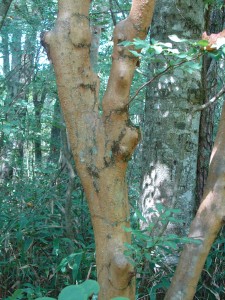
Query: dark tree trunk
[214,20]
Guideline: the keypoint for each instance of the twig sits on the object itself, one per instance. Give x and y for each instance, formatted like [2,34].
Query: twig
[158,75]
[89,271]
[211,101]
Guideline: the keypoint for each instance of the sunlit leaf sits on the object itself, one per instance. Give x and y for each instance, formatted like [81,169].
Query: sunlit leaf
[176,39]
[45,298]
[202,43]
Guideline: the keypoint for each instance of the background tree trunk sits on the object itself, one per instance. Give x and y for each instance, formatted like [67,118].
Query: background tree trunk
[170,141]
[38,100]
[55,134]
[214,21]
[4,7]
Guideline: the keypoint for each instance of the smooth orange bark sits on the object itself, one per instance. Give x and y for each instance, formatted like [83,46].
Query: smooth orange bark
[101,145]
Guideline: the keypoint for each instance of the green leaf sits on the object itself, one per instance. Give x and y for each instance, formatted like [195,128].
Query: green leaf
[174,220]
[128,246]
[182,55]
[74,258]
[127,229]
[208,262]
[167,45]
[175,210]
[140,216]
[80,292]
[148,256]
[6,128]
[158,49]
[150,243]
[135,53]
[56,247]
[27,244]
[195,241]
[176,39]
[91,286]
[45,298]
[125,43]
[76,265]
[140,44]
[173,51]
[193,65]
[215,55]
[170,244]
[202,43]
[18,294]
[172,236]
[163,284]
[72,292]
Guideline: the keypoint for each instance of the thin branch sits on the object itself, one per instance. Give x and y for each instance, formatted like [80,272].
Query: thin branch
[120,9]
[211,101]
[112,13]
[158,75]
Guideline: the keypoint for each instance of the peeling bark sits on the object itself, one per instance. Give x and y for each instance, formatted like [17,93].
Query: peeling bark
[101,145]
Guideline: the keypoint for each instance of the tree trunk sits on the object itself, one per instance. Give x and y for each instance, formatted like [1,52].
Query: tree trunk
[205,226]
[101,144]
[214,20]
[170,141]
[6,69]
[4,7]
[55,134]
[38,100]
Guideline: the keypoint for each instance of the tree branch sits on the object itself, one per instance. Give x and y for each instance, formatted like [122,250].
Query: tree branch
[158,75]
[211,101]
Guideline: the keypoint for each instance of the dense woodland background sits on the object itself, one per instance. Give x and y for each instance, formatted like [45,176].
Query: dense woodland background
[46,238]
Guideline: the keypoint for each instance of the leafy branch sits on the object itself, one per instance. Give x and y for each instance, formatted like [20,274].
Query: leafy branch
[213,45]
[170,67]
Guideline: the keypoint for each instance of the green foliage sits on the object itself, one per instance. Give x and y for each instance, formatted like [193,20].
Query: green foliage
[152,248]
[37,256]
[45,298]
[82,291]
[77,292]
[119,298]
[212,281]
[28,292]
[184,54]
[33,240]
[214,3]
[34,246]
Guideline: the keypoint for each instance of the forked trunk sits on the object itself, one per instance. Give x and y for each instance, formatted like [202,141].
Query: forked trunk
[101,144]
